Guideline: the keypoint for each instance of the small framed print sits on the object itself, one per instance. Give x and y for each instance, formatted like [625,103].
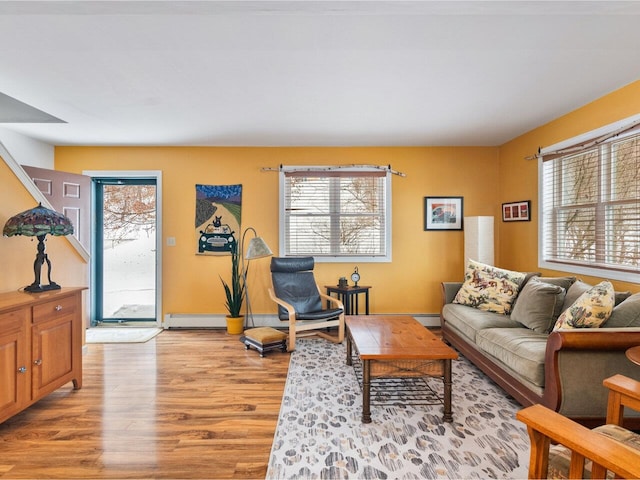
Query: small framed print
[516,211]
[443,213]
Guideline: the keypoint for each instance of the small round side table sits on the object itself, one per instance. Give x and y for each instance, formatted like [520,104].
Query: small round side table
[633,354]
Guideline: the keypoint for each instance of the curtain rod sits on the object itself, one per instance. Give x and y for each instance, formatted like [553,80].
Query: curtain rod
[585,144]
[335,167]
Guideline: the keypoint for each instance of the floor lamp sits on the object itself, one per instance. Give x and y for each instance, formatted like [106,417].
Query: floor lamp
[478,240]
[257,248]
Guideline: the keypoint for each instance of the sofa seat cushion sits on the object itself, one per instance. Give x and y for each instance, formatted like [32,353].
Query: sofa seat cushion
[520,349]
[468,320]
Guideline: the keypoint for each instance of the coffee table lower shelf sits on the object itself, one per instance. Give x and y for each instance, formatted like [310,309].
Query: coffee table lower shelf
[401,390]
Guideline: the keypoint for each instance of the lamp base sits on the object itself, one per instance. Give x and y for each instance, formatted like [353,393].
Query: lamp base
[36,288]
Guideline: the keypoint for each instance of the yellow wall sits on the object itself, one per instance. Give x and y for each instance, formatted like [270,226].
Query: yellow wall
[486,177]
[18,253]
[518,241]
[421,260]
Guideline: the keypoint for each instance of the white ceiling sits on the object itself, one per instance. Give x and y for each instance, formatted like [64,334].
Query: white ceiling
[307,72]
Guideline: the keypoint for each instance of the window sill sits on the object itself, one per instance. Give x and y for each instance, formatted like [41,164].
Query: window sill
[591,271]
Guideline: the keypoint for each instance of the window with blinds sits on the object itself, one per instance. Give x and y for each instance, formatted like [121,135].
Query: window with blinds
[335,214]
[591,206]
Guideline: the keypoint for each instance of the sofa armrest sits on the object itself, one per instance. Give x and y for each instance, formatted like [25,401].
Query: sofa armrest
[449,291]
[576,364]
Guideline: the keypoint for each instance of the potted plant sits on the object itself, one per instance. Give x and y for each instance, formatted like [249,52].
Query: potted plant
[235,295]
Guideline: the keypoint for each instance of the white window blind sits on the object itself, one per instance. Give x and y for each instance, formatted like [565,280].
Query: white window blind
[591,206]
[336,213]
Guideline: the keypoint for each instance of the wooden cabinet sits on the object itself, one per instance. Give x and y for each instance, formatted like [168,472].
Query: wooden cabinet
[14,360]
[40,346]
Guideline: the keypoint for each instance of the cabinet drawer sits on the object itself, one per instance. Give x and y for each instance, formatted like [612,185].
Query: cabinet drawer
[54,309]
[14,321]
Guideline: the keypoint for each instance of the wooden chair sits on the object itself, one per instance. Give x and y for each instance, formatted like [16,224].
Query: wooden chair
[300,301]
[608,448]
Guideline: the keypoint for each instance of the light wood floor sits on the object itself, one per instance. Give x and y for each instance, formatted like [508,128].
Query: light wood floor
[187,404]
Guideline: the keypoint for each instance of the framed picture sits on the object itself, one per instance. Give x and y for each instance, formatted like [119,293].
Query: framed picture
[516,211]
[443,213]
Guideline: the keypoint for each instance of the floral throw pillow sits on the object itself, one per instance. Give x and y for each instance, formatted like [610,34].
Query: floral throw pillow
[590,310]
[489,288]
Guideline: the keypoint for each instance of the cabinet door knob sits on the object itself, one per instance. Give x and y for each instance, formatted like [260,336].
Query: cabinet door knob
[38,362]
[22,370]
[58,308]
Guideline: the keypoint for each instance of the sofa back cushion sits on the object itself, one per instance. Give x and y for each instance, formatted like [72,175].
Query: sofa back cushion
[564,282]
[538,305]
[575,290]
[489,288]
[626,314]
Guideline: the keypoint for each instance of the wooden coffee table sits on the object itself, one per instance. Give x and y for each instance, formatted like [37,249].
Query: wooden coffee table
[397,346]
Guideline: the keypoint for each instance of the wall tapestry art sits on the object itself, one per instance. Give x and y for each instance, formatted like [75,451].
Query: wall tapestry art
[218,215]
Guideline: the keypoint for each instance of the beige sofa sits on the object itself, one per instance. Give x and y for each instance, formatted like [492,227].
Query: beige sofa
[562,370]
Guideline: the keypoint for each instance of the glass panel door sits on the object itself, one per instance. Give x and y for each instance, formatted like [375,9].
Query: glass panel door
[125,250]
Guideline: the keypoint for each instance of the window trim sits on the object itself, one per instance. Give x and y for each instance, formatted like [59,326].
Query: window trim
[386,258]
[612,274]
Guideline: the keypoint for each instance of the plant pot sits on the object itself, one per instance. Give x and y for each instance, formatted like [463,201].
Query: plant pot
[235,325]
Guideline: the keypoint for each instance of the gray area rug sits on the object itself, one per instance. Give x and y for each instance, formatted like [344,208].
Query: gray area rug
[320,435]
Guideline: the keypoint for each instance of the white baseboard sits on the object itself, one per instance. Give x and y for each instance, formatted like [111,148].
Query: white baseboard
[204,320]
[193,320]
[428,319]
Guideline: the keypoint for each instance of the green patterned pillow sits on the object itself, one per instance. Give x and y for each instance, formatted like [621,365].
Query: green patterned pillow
[489,288]
[590,310]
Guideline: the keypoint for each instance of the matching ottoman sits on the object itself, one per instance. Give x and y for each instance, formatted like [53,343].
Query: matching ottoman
[264,339]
